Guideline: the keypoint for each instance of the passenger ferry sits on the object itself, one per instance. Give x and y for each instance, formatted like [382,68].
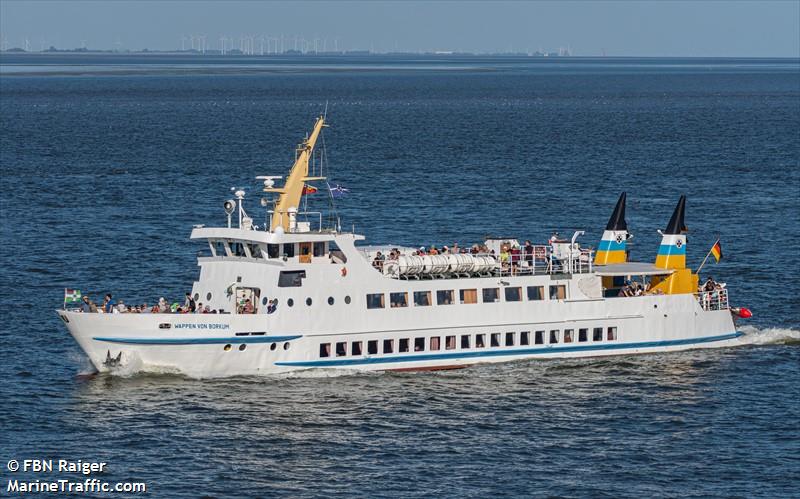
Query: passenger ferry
[298,293]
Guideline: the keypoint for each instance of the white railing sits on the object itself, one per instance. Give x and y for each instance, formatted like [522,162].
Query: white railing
[713,300]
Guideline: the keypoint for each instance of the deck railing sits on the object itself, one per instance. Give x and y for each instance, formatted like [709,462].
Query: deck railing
[713,300]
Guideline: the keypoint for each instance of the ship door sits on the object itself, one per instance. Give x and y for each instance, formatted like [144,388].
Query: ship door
[244,294]
[305,252]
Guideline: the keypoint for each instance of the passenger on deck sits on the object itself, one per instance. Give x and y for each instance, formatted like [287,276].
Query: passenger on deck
[163,306]
[529,253]
[85,304]
[199,309]
[108,304]
[433,250]
[515,255]
[378,261]
[709,285]
[207,309]
[189,303]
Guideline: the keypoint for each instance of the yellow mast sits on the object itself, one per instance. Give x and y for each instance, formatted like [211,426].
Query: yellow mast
[292,190]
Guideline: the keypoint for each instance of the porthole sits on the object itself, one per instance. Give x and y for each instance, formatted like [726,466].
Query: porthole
[308,301]
[286,346]
[208,297]
[347,299]
[290,302]
[330,300]
[227,347]
[242,347]
[264,300]
[273,346]
[196,296]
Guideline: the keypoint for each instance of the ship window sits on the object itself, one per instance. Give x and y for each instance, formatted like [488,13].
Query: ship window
[597,334]
[264,300]
[196,296]
[495,338]
[422,298]
[554,333]
[568,335]
[291,278]
[403,346]
[273,346]
[341,349]
[444,297]
[255,251]
[397,300]
[468,295]
[221,249]
[612,334]
[435,343]
[290,302]
[286,345]
[372,347]
[237,249]
[558,292]
[288,250]
[535,293]
[464,341]
[538,338]
[583,334]
[525,338]
[513,294]
[388,346]
[375,300]
[347,299]
[273,250]
[491,295]
[242,347]
[208,296]
[480,340]
[308,301]
[419,344]
[450,342]
[509,339]
[319,249]
[355,348]
[330,300]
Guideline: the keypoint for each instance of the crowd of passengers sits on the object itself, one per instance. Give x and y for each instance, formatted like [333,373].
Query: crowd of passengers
[189,306]
[510,254]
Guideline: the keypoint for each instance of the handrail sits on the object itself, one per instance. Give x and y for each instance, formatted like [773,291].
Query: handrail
[713,300]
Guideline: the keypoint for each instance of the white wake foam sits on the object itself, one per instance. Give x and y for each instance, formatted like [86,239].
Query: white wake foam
[767,336]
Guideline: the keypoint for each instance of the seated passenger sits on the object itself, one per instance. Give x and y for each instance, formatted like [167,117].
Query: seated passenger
[248,307]
[378,261]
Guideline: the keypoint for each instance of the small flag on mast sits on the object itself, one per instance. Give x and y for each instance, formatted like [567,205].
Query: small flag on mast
[72,296]
[309,189]
[716,250]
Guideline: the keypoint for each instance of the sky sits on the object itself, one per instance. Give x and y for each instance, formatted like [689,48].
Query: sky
[589,28]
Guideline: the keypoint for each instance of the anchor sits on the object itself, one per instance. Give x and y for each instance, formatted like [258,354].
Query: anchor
[112,361]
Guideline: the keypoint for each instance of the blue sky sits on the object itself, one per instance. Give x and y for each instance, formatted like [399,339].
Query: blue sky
[644,28]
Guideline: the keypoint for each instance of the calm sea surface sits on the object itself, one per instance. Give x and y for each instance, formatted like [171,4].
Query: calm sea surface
[106,162]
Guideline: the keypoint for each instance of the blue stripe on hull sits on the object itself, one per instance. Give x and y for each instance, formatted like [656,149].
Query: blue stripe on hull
[506,353]
[198,341]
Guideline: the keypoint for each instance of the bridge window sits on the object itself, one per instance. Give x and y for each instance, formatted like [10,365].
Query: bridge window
[491,295]
[597,334]
[468,295]
[525,338]
[388,346]
[324,349]
[583,335]
[554,333]
[568,335]
[495,337]
[535,293]
[509,339]
[397,300]
[513,294]
[341,349]
[375,300]
[612,334]
[422,298]
[291,278]
[273,250]
[403,347]
[355,348]
[480,340]
[255,250]
[419,344]
[319,249]
[288,250]
[435,343]
[444,297]
[539,338]
[558,292]
[372,347]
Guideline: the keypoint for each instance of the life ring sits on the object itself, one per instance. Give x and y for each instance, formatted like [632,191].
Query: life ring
[344,271]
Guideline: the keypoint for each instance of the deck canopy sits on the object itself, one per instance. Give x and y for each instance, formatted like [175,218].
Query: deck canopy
[631,268]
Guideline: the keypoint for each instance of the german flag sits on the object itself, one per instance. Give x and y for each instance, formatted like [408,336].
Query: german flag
[716,250]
